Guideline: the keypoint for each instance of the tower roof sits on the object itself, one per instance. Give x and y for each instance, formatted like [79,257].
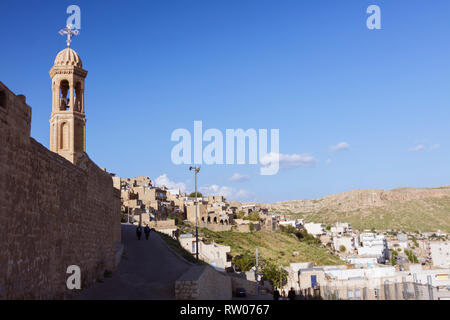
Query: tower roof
[68,57]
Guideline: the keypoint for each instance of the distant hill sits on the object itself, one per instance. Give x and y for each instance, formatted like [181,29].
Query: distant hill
[409,209]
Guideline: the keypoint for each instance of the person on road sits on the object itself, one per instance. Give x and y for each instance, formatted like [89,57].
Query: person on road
[147,231]
[276,294]
[139,232]
[291,294]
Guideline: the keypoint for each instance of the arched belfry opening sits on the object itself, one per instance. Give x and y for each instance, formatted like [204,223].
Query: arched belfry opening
[64,98]
[68,120]
[78,106]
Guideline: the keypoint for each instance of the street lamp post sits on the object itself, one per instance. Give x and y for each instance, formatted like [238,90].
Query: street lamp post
[256,271]
[196,170]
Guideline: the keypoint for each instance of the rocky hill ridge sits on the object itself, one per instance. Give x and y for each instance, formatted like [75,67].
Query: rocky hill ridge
[360,199]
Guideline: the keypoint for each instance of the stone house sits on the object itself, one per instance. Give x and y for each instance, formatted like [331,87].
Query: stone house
[246,226]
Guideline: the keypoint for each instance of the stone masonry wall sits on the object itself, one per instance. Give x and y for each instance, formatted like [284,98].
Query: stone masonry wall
[216,227]
[251,287]
[203,283]
[186,290]
[52,213]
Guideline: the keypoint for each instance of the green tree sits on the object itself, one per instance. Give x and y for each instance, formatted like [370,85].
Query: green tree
[342,248]
[252,216]
[275,274]
[192,195]
[240,214]
[245,261]
[411,256]
[394,254]
[393,262]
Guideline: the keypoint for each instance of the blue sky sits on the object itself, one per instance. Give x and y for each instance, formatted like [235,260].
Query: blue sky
[308,68]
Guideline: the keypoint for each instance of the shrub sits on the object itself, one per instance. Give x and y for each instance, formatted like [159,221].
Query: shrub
[289,229]
[304,236]
[107,274]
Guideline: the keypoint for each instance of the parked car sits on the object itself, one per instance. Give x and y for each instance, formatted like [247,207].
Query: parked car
[240,292]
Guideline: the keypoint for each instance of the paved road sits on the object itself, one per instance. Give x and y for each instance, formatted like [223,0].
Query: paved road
[148,270]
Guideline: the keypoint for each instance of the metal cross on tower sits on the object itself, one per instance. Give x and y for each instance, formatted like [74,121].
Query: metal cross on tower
[70,31]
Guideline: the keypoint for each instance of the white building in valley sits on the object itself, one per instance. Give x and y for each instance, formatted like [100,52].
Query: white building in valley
[347,242]
[373,245]
[362,261]
[316,229]
[215,254]
[440,253]
[341,228]
[294,223]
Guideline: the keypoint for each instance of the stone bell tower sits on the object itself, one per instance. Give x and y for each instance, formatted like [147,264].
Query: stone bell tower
[68,121]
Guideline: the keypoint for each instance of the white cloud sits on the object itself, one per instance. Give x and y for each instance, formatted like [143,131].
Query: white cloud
[163,180]
[436,146]
[423,147]
[288,161]
[211,189]
[340,147]
[329,161]
[419,147]
[227,192]
[214,189]
[237,177]
[242,195]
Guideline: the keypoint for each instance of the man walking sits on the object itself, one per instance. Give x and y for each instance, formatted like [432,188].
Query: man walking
[139,232]
[276,294]
[147,231]
[291,294]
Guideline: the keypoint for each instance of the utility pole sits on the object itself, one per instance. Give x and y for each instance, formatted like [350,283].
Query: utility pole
[280,279]
[129,207]
[196,170]
[256,272]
